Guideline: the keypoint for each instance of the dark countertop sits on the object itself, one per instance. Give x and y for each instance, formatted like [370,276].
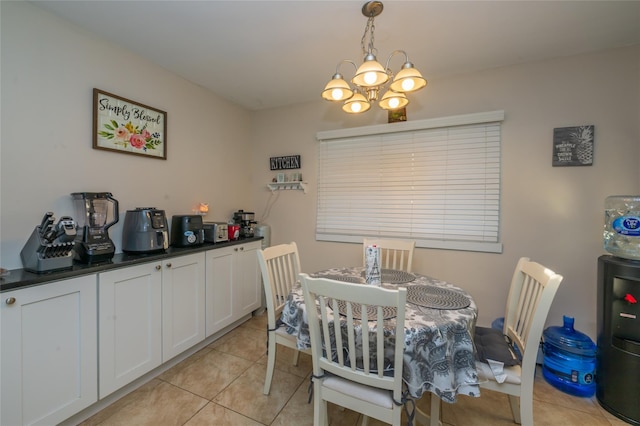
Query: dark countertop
[21,278]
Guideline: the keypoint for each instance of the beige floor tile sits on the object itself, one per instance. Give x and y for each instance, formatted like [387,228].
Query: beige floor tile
[231,372]
[214,414]
[184,363]
[551,407]
[259,322]
[245,396]
[284,361]
[209,374]
[543,391]
[245,342]
[155,403]
[490,409]
[547,414]
[296,411]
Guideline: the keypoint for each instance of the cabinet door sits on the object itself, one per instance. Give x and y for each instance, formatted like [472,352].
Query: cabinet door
[219,285]
[130,324]
[49,352]
[247,285]
[182,304]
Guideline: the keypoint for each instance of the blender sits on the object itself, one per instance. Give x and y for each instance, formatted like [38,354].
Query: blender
[93,209]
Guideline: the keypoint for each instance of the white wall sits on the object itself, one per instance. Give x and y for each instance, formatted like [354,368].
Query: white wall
[49,69]
[551,214]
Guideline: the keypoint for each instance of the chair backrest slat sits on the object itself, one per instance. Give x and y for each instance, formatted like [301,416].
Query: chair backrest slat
[380,341]
[394,254]
[280,267]
[532,290]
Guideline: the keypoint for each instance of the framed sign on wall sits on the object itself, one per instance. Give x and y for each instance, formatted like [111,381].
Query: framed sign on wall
[286,162]
[123,125]
[573,146]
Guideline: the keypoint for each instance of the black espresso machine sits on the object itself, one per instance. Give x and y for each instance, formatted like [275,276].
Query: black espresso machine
[247,223]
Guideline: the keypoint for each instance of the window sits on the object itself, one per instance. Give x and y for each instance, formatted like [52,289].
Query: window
[434,181]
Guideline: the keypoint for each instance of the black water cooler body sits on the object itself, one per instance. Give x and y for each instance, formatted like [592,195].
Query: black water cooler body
[618,354]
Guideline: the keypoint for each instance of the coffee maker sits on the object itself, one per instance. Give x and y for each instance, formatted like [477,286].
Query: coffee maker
[93,210]
[246,222]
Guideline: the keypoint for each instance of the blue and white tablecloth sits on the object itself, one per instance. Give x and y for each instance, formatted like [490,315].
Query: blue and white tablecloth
[439,352]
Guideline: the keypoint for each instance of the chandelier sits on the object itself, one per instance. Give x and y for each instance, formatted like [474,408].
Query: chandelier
[371,77]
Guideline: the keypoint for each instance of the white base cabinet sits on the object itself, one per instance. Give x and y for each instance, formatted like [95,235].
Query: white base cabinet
[129,324]
[66,344]
[49,352]
[149,313]
[233,285]
[183,304]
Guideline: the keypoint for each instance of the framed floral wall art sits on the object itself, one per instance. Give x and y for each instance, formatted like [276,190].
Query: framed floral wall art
[126,126]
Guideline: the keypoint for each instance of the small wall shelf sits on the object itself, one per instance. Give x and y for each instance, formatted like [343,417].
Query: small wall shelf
[278,186]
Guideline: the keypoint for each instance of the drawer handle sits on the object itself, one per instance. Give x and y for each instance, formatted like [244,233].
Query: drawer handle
[235,249]
[158,267]
[168,265]
[241,248]
[10,301]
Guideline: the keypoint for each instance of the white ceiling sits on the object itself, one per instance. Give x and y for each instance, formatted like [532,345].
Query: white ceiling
[262,54]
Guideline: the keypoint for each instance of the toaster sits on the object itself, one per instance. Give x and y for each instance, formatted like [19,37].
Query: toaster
[215,232]
[186,230]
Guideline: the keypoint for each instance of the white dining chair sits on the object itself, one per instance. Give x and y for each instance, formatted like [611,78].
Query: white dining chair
[532,291]
[370,384]
[280,266]
[394,254]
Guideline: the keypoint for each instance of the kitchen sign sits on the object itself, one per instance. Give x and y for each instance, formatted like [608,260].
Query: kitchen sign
[285,163]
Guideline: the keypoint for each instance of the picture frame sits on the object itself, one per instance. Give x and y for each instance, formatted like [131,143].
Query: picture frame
[573,146]
[129,127]
[397,115]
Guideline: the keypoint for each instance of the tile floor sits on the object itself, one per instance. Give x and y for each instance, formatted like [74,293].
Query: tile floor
[222,385]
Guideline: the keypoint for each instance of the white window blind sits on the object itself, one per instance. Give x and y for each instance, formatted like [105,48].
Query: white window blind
[434,181]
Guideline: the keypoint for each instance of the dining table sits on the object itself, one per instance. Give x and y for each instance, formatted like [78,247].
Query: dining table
[439,354]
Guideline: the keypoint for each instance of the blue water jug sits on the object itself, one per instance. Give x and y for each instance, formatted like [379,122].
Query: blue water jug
[569,359]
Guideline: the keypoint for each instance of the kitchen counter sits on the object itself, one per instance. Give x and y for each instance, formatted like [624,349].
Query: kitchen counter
[21,278]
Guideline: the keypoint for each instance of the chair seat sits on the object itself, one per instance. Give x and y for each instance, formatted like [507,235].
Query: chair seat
[380,397]
[288,340]
[338,343]
[513,373]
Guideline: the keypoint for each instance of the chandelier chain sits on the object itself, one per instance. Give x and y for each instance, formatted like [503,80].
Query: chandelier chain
[369,29]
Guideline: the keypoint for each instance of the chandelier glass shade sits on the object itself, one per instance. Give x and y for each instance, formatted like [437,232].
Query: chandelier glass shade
[356,104]
[371,77]
[337,89]
[393,100]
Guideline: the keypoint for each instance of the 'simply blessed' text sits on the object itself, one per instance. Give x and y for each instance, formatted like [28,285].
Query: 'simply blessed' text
[128,112]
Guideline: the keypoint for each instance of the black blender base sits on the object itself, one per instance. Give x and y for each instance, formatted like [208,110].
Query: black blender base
[88,253]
